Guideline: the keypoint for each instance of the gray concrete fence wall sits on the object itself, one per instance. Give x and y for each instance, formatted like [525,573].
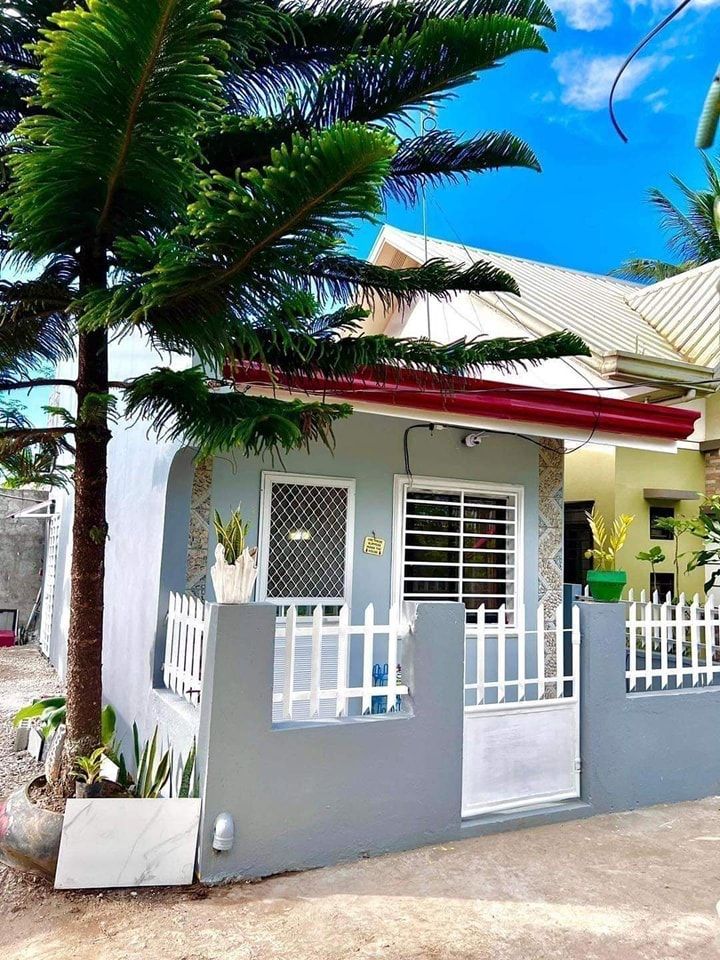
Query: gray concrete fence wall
[640,749]
[306,795]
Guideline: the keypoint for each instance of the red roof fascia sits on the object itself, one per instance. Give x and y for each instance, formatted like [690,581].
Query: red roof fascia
[470,397]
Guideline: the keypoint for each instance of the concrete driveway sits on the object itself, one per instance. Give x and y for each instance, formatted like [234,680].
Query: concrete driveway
[638,885]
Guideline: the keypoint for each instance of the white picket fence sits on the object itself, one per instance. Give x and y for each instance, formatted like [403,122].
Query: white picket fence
[314,663]
[672,645]
[185,646]
[512,657]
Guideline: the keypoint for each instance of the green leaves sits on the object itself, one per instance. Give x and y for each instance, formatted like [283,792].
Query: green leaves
[121,88]
[405,73]
[692,233]
[250,238]
[441,156]
[343,276]
[180,404]
[33,323]
[337,352]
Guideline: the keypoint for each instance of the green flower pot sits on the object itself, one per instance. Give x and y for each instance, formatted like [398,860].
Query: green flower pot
[606,585]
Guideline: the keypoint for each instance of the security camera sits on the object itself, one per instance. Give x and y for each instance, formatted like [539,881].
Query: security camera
[473,439]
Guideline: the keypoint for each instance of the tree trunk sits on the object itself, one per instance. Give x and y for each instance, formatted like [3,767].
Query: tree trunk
[84,653]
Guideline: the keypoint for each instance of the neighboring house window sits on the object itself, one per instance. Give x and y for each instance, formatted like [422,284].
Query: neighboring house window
[577,540]
[664,583]
[459,541]
[660,513]
[306,539]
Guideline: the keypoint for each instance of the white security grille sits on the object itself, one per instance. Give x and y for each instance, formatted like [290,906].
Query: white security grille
[460,544]
[48,596]
[306,539]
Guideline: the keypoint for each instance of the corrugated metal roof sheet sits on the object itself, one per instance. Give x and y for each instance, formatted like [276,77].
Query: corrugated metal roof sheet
[685,310]
[556,298]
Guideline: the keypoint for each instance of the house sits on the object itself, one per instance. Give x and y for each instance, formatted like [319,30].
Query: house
[449,501]
[352,526]
[653,344]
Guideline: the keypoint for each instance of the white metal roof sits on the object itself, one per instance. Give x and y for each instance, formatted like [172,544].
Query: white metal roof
[600,309]
[685,310]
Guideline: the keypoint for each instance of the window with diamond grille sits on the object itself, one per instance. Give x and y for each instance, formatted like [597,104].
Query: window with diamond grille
[461,545]
[306,539]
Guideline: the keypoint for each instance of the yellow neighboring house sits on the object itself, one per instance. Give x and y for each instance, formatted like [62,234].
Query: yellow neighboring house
[655,344]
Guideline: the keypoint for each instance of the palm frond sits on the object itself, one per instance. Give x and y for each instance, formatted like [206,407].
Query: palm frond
[258,233]
[692,232]
[34,323]
[322,35]
[179,404]
[443,156]
[120,153]
[403,75]
[336,351]
[648,271]
[345,277]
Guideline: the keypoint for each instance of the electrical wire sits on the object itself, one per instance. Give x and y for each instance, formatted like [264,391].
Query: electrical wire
[524,326]
[628,60]
[406,449]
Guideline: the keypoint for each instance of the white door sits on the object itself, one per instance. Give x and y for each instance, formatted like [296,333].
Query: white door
[522,713]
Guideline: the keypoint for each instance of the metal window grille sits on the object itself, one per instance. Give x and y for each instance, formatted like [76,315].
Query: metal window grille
[460,545]
[307,538]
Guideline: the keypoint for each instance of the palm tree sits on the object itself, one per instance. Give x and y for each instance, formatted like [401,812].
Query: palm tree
[190,170]
[692,234]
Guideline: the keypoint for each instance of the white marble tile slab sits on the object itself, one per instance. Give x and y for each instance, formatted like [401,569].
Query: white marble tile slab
[127,843]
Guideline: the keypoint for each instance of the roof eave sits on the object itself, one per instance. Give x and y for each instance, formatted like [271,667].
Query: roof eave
[507,407]
[642,368]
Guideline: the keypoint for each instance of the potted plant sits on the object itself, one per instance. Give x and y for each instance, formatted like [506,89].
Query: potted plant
[88,770]
[605,581]
[146,837]
[235,569]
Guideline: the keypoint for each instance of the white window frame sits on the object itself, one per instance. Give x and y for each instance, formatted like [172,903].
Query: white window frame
[268,479]
[441,484]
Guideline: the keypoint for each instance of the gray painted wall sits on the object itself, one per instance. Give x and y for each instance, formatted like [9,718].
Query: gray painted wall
[370,450]
[22,551]
[311,794]
[640,749]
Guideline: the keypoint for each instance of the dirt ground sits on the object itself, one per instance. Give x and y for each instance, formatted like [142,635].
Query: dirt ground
[641,886]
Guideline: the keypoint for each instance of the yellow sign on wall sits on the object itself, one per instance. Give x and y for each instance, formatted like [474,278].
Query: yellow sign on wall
[374,546]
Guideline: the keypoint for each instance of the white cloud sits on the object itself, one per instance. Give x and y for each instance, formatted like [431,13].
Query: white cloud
[658,6]
[657,99]
[586,80]
[585,14]
[598,14]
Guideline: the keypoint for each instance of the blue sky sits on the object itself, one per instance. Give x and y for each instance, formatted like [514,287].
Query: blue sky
[586,209]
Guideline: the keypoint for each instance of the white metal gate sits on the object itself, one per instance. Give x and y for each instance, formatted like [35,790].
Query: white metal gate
[48,596]
[522,711]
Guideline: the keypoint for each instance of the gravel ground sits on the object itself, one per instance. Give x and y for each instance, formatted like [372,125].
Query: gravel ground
[24,675]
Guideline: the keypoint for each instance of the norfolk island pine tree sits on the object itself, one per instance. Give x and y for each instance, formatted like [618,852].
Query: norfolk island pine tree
[190,170]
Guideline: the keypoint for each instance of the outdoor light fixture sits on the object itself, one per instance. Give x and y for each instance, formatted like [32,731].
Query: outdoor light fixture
[224,832]
[297,536]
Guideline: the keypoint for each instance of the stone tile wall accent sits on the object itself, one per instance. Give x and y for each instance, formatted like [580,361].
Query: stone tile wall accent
[712,473]
[197,552]
[551,511]
[550,520]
